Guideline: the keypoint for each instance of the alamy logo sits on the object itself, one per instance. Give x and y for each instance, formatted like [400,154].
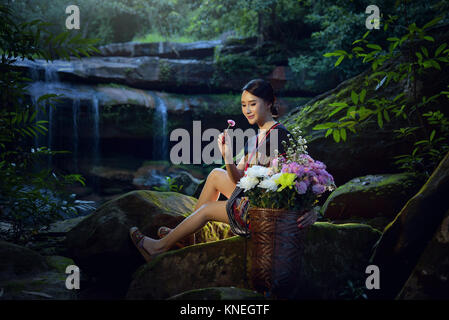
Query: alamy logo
[73,279]
[73,20]
[181,152]
[373,280]
[373,20]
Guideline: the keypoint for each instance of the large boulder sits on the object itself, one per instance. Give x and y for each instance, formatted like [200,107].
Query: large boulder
[27,275]
[371,196]
[430,277]
[406,237]
[332,256]
[17,261]
[100,244]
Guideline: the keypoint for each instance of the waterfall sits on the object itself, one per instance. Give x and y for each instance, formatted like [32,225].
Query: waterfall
[96,130]
[160,121]
[75,113]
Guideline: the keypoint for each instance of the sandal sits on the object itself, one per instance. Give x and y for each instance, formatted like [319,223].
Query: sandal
[137,238]
[163,231]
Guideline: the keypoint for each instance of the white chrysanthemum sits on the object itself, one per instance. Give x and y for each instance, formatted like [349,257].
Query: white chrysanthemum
[268,184]
[258,171]
[247,183]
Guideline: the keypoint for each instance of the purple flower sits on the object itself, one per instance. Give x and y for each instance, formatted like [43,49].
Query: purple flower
[318,188]
[301,187]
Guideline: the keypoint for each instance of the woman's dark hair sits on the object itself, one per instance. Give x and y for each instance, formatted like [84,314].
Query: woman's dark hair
[264,90]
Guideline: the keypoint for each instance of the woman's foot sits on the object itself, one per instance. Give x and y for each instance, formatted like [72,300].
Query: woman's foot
[148,247]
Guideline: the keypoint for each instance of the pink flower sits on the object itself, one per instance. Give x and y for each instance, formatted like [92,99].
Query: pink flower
[231,123]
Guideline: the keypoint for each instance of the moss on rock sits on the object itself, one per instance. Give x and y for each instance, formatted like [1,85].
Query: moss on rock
[371,196]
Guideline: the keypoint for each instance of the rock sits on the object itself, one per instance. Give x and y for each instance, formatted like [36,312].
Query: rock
[371,196]
[333,255]
[112,180]
[215,264]
[154,73]
[406,237]
[430,277]
[188,182]
[173,50]
[18,261]
[219,293]
[100,244]
[51,241]
[27,275]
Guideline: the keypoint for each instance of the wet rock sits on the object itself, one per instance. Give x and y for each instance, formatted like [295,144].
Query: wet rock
[100,244]
[27,275]
[371,196]
[430,277]
[406,237]
[332,256]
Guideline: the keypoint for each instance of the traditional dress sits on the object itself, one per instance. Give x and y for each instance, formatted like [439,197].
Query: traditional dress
[237,205]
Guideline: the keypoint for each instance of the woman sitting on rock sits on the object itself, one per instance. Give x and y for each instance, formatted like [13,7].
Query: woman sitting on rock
[259,108]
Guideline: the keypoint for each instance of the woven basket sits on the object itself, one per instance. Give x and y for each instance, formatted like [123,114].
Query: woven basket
[274,250]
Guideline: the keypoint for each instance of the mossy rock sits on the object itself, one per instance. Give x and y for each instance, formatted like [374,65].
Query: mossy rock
[42,286]
[219,293]
[371,196]
[100,244]
[404,240]
[59,263]
[17,261]
[332,255]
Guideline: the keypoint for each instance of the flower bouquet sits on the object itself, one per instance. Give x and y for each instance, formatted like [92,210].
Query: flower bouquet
[278,195]
[293,181]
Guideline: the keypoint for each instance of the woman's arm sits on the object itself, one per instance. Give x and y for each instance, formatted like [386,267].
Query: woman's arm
[234,172]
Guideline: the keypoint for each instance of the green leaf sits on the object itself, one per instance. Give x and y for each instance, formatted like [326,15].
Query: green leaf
[374,46]
[343,134]
[338,104]
[380,121]
[432,22]
[386,116]
[336,135]
[439,49]
[393,39]
[429,38]
[354,97]
[362,95]
[339,60]
[331,54]
[335,111]
[432,135]
[328,132]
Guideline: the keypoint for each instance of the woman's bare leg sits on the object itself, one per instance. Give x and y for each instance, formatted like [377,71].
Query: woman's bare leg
[210,211]
[217,182]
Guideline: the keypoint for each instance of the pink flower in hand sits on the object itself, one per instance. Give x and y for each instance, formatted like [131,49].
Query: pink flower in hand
[231,123]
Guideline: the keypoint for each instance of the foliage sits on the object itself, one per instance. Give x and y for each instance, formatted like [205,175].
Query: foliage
[403,59]
[106,20]
[170,186]
[30,198]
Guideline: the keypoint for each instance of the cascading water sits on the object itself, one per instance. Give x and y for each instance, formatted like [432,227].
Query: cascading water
[96,137]
[160,121]
[75,113]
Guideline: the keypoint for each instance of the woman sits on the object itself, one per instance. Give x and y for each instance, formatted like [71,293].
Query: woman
[259,108]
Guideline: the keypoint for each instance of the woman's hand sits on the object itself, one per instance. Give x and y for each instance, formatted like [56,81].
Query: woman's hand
[225,146]
[307,219]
